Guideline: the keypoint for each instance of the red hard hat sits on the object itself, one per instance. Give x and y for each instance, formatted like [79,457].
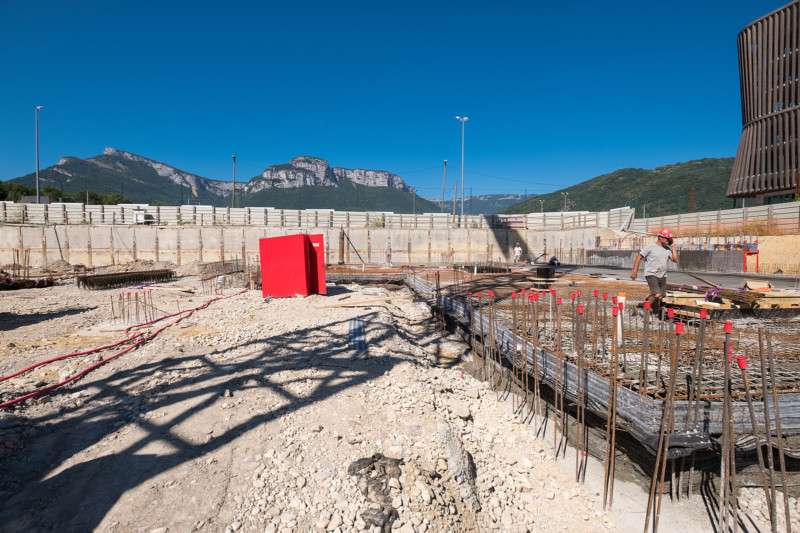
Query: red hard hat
[517,244]
[666,233]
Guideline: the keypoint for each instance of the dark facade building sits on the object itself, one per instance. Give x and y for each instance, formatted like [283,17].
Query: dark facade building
[768,158]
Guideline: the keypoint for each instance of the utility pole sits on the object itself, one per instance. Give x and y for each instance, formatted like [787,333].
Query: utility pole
[455,199]
[443,180]
[233,199]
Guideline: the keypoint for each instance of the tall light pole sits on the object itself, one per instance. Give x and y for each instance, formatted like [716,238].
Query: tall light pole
[541,203]
[565,194]
[444,176]
[37,152]
[463,120]
[233,200]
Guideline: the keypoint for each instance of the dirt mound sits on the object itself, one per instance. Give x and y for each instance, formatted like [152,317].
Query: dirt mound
[135,266]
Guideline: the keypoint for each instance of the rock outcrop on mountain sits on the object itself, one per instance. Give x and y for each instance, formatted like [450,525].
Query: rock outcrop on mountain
[178,177]
[372,178]
[314,171]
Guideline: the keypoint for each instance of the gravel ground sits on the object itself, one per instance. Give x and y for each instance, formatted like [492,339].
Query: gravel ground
[254,415]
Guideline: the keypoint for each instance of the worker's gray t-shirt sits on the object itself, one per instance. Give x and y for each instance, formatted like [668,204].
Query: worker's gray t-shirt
[655,260]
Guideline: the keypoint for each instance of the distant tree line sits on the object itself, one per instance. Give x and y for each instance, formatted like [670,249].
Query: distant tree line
[13,192]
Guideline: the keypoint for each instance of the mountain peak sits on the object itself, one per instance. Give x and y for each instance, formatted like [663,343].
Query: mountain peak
[121,153]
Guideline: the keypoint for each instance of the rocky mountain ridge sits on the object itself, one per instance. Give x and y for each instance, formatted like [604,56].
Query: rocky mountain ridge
[303,182]
[176,176]
[315,171]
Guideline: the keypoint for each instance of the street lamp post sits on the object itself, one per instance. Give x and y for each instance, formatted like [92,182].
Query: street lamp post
[233,199]
[37,152]
[463,120]
[444,177]
[565,194]
[541,204]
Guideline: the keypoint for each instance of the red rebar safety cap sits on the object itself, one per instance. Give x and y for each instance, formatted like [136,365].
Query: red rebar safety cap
[728,327]
[742,362]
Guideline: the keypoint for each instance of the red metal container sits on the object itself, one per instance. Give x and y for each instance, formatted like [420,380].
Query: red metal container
[293,265]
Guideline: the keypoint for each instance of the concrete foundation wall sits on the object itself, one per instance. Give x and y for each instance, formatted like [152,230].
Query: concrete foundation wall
[97,245]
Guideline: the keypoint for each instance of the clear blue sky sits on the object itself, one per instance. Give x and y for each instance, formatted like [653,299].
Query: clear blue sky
[556,92]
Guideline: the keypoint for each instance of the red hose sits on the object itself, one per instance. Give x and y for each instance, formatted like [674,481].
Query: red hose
[132,336]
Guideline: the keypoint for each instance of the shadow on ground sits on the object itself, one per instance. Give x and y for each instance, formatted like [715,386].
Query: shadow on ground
[39,497]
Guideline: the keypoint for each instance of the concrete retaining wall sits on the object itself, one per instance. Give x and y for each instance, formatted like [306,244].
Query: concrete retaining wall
[97,245]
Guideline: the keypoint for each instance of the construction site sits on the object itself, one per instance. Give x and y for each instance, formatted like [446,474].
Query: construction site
[277,389]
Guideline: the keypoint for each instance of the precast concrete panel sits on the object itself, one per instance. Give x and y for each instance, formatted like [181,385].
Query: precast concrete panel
[9,241]
[419,247]
[146,242]
[78,238]
[357,245]
[190,244]
[124,239]
[212,241]
[380,242]
[32,240]
[232,240]
[257,216]
[168,244]
[440,245]
[495,240]
[251,238]
[168,214]
[54,246]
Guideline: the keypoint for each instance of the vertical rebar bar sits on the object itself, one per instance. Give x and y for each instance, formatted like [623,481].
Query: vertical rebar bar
[767,432]
[778,432]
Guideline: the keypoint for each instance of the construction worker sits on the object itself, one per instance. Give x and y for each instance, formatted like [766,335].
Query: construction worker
[517,254]
[655,257]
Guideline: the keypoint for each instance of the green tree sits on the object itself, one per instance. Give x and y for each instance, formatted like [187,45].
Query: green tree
[51,191]
[13,192]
